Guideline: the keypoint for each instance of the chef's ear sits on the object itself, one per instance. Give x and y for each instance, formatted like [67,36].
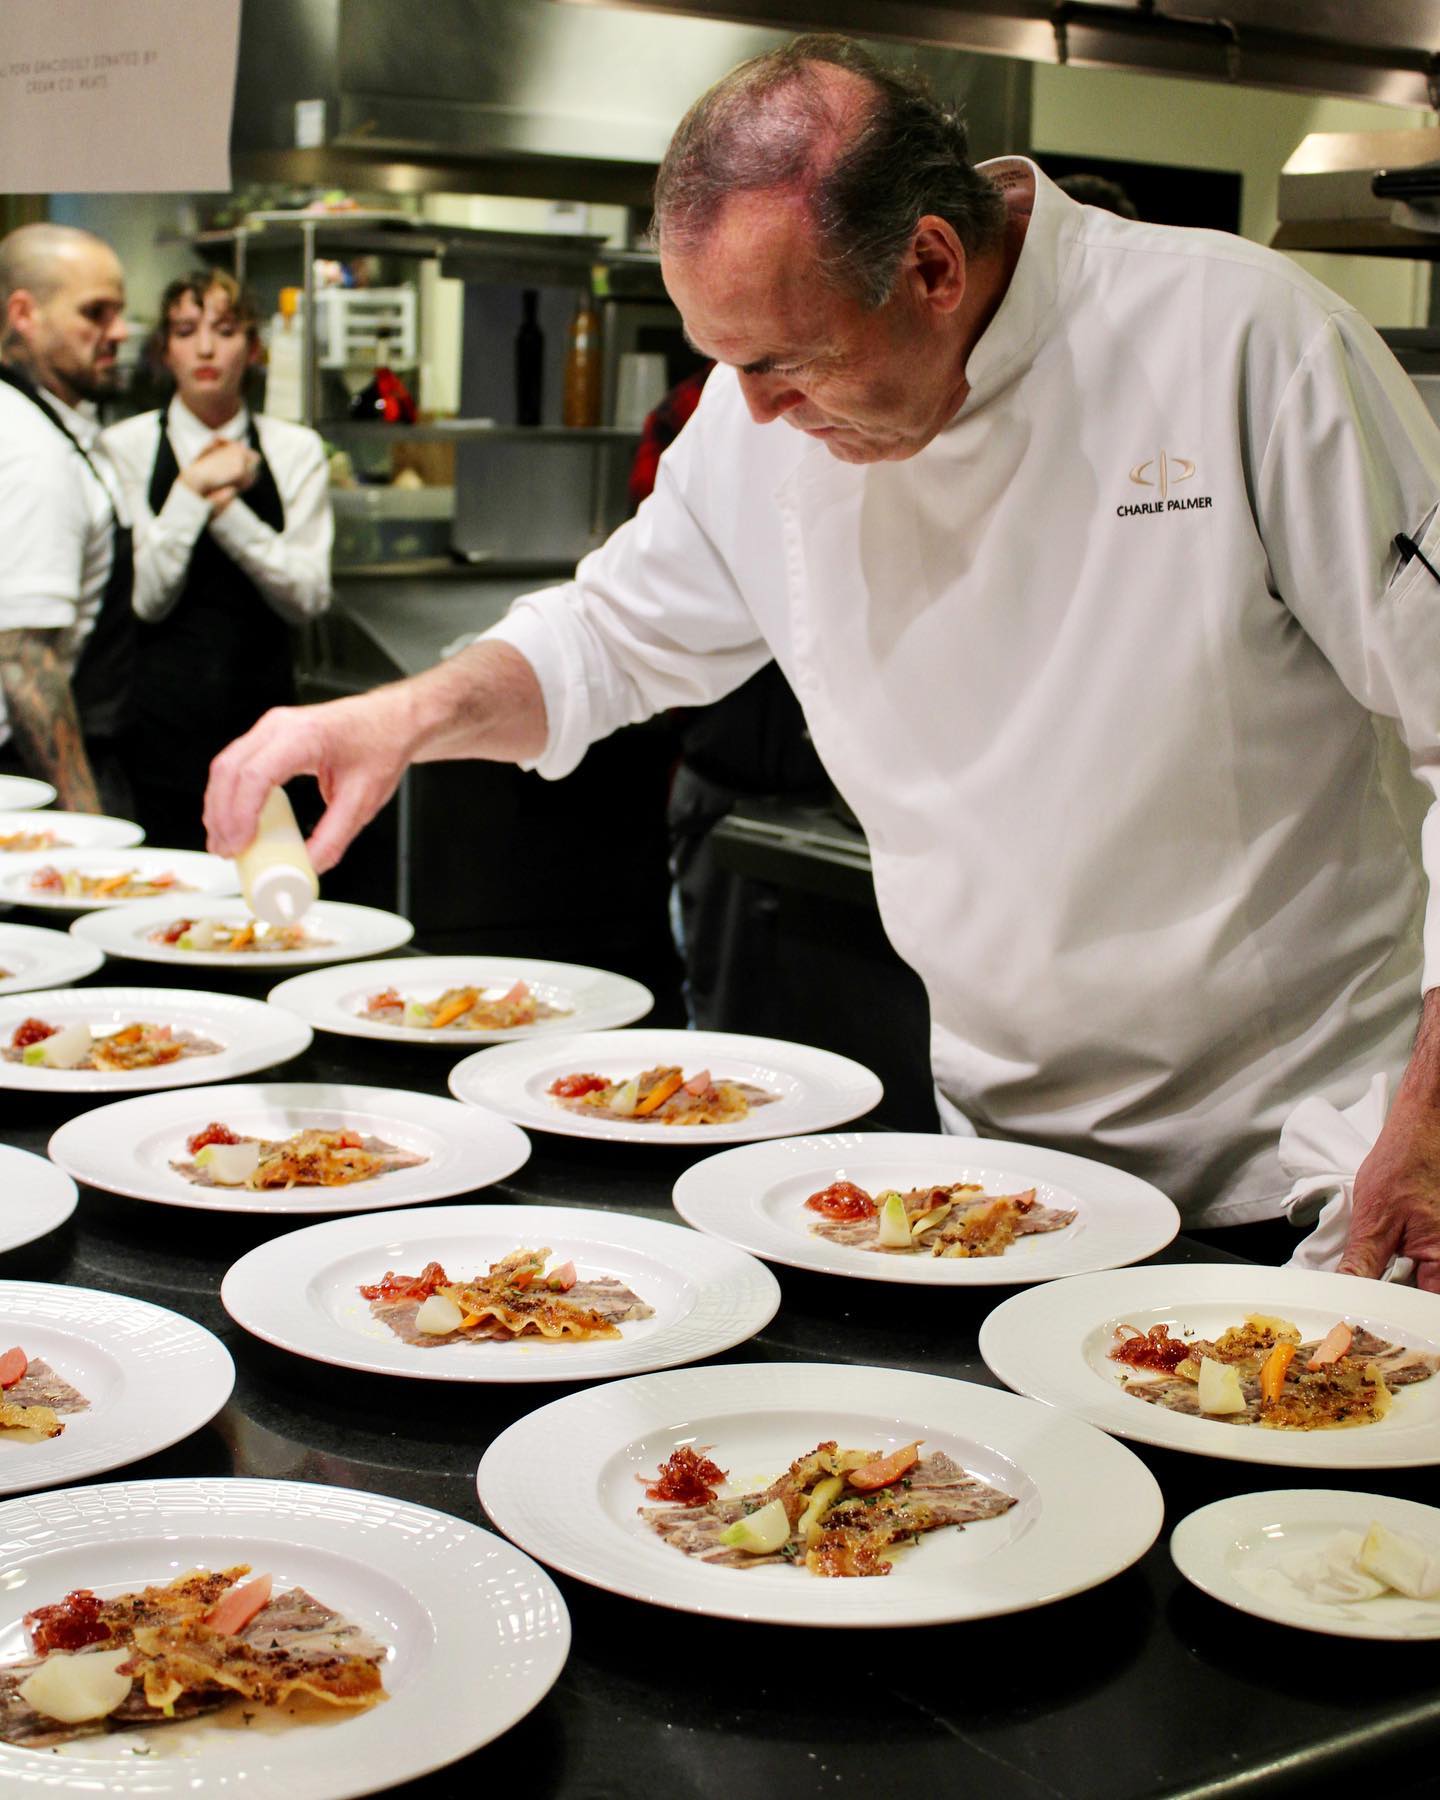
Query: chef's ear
[937,265]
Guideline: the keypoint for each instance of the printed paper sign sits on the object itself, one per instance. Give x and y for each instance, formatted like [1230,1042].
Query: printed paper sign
[117,96]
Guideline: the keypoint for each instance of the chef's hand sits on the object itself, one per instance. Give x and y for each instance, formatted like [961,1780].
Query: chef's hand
[357,749]
[1397,1188]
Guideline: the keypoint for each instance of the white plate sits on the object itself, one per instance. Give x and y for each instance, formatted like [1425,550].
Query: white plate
[477,1634]
[37,958]
[351,931]
[332,999]
[817,1088]
[1052,1344]
[202,873]
[562,1483]
[1238,1551]
[151,1377]
[127,1148]
[38,1197]
[253,1035]
[72,828]
[754,1196]
[300,1291]
[23,792]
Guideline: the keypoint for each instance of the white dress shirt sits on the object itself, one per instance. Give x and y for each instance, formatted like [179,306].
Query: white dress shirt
[56,523]
[291,569]
[1095,671]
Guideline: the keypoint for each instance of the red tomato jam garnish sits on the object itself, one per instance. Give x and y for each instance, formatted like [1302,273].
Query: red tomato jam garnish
[69,1625]
[572,1087]
[688,1477]
[213,1133]
[842,1200]
[408,1287]
[31,1031]
[172,934]
[388,1001]
[48,880]
[1153,1349]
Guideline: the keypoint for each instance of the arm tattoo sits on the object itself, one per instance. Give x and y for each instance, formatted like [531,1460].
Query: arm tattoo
[44,724]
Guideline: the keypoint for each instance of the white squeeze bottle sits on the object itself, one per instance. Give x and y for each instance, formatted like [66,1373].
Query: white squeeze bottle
[275,873]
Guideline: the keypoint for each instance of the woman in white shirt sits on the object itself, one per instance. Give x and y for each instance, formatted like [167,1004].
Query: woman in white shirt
[232,548]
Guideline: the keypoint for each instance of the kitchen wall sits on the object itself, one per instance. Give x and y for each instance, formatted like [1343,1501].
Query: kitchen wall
[1204,124]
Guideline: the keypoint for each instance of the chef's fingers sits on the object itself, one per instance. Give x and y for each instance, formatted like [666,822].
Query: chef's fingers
[279,746]
[1427,1276]
[353,803]
[1374,1238]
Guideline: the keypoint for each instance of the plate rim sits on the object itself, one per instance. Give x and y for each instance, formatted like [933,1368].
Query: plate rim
[90,927]
[1255,1446]
[351,1025]
[75,950]
[1145,1504]
[891,1270]
[567,1124]
[98,1081]
[221,1367]
[439,1217]
[1191,1527]
[239,1091]
[101,1502]
[35,782]
[45,1170]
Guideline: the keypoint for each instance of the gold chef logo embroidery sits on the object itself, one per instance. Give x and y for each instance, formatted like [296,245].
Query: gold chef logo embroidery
[1161,472]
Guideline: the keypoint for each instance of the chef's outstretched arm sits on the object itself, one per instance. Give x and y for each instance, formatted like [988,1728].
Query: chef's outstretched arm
[44,723]
[485,702]
[1397,1189]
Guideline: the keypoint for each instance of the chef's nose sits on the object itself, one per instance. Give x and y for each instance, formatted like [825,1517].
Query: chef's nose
[769,397]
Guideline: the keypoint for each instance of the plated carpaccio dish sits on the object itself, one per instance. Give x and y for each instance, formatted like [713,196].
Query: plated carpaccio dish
[1260,1373]
[34,1399]
[462,1009]
[958,1220]
[232,937]
[665,1095]
[833,1513]
[315,1157]
[120,884]
[36,1043]
[516,1298]
[195,1645]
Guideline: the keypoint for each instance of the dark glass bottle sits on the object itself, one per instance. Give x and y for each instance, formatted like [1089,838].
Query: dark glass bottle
[529,362]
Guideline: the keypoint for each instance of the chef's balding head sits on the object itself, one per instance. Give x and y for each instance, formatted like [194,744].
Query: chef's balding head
[41,258]
[62,303]
[867,148]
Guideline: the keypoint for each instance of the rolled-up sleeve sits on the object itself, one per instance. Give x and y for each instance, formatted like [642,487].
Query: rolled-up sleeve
[653,619]
[1352,459]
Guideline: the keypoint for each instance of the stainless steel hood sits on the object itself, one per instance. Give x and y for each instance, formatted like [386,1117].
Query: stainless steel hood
[512,96]
[1380,49]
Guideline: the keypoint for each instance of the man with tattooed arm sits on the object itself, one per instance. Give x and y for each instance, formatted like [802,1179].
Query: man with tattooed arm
[66,625]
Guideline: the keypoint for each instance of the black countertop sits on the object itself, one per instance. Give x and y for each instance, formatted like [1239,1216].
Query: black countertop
[1142,1687]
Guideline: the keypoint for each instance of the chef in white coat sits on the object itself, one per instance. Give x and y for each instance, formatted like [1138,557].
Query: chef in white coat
[1075,538]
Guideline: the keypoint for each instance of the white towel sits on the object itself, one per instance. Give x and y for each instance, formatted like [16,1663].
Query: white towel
[1321,1148]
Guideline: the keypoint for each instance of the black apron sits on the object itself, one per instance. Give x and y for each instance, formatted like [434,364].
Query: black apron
[218,658]
[103,678]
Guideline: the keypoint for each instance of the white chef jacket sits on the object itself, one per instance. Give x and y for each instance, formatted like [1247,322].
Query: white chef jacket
[1095,671]
[291,569]
[56,523]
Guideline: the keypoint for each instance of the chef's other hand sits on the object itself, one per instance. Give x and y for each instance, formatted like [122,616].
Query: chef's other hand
[1397,1199]
[357,749]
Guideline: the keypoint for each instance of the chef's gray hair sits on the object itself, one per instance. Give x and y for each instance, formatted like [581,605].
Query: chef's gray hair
[871,162]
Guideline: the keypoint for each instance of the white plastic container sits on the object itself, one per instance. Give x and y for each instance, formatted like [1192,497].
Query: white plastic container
[276,877]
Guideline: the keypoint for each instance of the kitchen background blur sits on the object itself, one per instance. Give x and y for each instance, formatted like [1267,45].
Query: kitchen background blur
[457,193]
